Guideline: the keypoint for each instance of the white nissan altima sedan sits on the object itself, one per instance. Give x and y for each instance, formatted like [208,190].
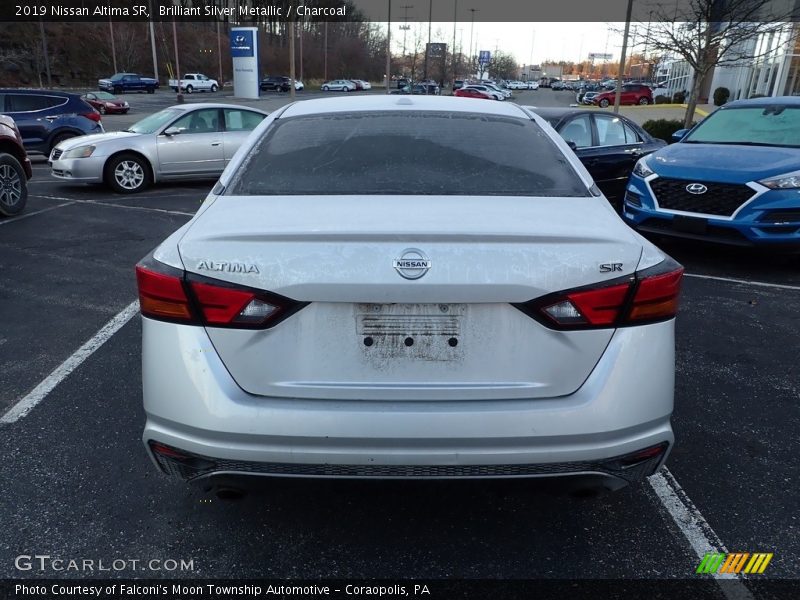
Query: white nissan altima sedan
[408,287]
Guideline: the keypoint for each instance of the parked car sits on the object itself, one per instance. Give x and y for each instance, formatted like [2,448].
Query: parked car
[634,93]
[556,85]
[298,85]
[472,93]
[533,336]
[194,82]
[339,85]
[106,103]
[506,92]
[517,85]
[732,179]
[120,83]
[275,84]
[608,145]
[587,98]
[45,118]
[403,82]
[496,94]
[428,87]
[533,85]
[458,84]
[15,169]
[186,141]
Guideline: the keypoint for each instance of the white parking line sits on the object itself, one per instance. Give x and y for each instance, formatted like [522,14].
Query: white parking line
[696,530]
[37,394]
[779,286]
[36,212]
[98,203]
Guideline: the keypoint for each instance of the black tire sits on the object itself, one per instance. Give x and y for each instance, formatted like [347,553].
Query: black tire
[127,173]
[325,88]
[189,89]
[604,103]
[60,138]
[643,101]
[213,88]
[102,110]
[117,90]
[13,186]
[151,90]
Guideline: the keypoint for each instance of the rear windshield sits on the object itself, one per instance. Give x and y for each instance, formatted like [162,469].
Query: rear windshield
[409,153]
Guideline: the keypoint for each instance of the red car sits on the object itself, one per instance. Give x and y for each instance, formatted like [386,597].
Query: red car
[632,93]
[106,103]
[470,93]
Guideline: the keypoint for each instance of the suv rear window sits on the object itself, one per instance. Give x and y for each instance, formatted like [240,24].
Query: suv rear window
[31,102]
[406,153]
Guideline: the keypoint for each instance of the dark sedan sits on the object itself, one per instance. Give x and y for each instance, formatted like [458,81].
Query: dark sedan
[608,145]
[106,103]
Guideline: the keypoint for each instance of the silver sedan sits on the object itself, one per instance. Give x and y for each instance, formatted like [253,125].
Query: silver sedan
[192,141]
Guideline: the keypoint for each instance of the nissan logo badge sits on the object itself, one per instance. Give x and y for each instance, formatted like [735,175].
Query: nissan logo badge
[412,263]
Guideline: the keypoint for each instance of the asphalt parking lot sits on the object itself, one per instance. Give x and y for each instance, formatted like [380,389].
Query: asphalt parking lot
[77,483]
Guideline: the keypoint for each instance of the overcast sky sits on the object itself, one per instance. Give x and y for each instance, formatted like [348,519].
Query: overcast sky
[528,42]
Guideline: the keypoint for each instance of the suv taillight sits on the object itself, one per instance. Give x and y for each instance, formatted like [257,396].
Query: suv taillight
[170,294]
[94,116]
[647,296]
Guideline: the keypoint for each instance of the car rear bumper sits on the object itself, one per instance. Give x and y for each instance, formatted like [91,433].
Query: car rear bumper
[79,170]
[194,407]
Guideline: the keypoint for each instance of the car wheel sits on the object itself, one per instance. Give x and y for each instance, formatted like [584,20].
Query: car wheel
[604,103]
[325,88]
[117,90]
[13,186]
[128,174]
[151,90]
[189,89]
[102,110]
[213,88]
[60,138]
[644,101]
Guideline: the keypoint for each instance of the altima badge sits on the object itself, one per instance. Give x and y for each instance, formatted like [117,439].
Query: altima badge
[412,263]
[227,267]
[696,188]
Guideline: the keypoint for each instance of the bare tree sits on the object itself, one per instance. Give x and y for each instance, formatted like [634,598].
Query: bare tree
[711,33]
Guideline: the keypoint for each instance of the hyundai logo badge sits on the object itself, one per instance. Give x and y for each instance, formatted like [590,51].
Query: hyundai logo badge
[696,188]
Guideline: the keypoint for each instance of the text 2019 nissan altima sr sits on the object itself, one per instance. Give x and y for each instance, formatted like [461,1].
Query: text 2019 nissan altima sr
[734,178]
[338,308]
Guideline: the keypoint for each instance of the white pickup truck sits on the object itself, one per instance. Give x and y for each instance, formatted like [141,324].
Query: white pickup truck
[195,82]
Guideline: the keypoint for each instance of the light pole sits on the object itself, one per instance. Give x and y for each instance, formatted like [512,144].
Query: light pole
[153,43]
[453,49]
[471,30]
[113,46]
[389,47]
[325,53]
[179,97]
[428,45]
[405,27]
[621,73]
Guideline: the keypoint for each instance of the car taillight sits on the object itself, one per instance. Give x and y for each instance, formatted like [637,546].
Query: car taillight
[94,116]
[170,294]
[647,296]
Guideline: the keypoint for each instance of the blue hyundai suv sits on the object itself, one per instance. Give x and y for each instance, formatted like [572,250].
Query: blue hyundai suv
[733,178]
[46,118]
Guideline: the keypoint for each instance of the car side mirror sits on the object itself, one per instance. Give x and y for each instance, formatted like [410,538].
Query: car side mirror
[679,135]
[170,131]
[573,146]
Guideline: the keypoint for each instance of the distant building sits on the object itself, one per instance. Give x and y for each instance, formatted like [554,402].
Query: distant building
[776,71]
[530,73]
